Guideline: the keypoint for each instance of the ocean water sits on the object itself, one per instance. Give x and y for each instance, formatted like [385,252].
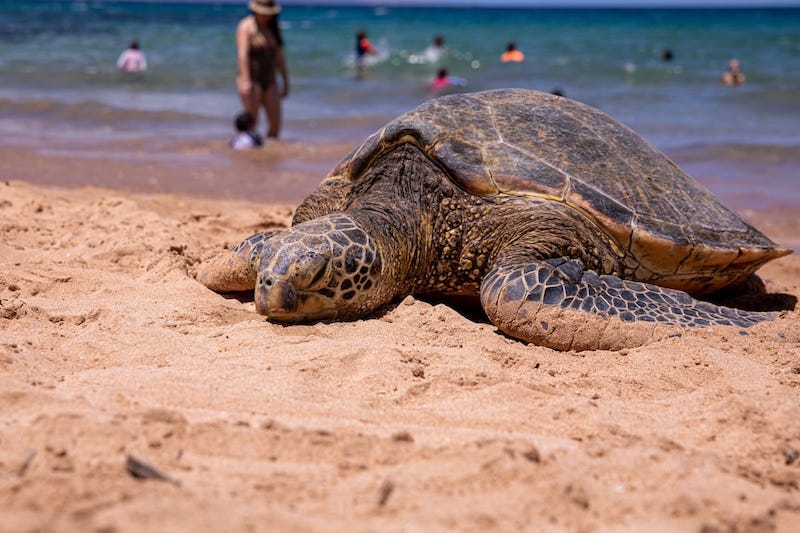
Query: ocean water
[58,75]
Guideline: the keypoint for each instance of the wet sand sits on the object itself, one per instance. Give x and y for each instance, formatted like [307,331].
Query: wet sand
[283,172]
[420,418]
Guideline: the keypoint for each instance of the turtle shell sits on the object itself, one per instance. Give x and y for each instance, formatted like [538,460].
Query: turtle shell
[531,144]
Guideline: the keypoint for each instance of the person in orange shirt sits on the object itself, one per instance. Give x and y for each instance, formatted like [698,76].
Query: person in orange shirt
[512,55]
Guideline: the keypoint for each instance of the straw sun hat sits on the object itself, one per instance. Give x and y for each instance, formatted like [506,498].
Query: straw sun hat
[264,7]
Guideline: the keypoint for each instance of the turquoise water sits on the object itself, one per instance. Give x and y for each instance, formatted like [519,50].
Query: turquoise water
[57,64]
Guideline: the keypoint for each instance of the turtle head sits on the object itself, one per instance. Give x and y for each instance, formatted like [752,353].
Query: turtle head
[321,269]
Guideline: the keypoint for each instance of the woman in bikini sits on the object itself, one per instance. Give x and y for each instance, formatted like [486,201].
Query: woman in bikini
[259,50]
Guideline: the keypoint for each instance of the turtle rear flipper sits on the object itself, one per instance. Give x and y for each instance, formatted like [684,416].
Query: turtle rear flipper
[235,269]
[557,303]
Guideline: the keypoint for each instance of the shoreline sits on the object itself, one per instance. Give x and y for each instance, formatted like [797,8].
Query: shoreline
[286,171]
[154,151]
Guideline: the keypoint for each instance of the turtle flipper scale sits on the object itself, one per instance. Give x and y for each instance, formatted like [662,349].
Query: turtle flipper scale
[557,303]
[235,269]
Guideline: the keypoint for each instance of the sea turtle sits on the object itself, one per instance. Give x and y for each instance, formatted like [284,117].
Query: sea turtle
[572,231]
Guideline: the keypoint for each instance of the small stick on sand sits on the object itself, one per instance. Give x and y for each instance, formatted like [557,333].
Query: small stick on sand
[143,470]
[386,490]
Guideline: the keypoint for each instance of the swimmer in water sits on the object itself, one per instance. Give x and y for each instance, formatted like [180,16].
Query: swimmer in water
[442,81]
[132,59]
[734,76]
[363,48]
[433,53]
[512,55]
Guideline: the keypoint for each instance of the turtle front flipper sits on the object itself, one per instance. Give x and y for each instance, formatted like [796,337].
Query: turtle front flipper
[235,269]
[557,303]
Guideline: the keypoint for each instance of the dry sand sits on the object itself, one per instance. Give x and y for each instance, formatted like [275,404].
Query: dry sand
[418,419]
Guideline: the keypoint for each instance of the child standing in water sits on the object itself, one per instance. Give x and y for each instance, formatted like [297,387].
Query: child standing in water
[245,137]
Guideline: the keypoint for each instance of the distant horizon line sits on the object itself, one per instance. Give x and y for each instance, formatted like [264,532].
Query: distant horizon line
[533,4]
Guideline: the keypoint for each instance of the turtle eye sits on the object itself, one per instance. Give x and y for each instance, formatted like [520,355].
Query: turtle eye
[312,272]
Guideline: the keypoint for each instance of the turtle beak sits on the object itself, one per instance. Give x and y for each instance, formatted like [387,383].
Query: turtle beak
[279,301]
[275,297]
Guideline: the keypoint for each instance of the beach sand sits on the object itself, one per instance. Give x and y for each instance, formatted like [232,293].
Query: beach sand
[113,358]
